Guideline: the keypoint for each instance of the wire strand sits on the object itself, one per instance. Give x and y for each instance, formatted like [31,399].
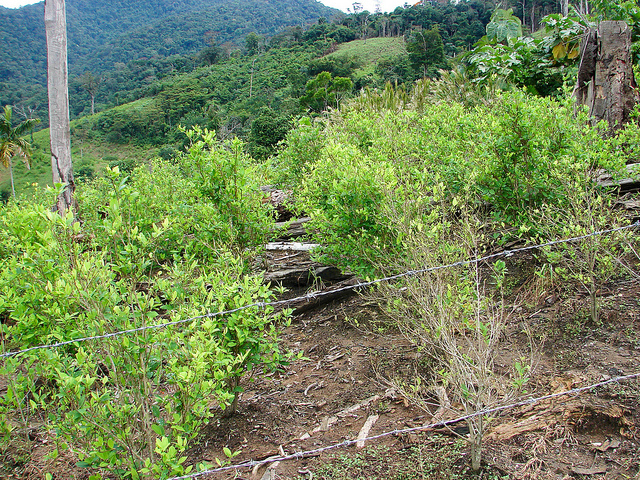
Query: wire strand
[319,294]
[346,443]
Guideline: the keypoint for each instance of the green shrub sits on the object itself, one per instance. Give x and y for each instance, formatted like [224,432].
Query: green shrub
[385,153]
[210,199]
[536,151]
[134,402]
[303,149]
[267,130]
[167,243]
[227,179]
[345,206]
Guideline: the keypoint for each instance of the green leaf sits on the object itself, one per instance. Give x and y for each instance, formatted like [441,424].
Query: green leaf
[504,26]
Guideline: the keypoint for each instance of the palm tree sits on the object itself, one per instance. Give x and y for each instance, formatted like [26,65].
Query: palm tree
[12,144]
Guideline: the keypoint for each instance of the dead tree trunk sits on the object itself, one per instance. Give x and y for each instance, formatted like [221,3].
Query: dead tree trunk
[57,77]
[605,77]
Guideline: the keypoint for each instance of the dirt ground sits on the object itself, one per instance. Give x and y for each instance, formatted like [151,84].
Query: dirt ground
[355,367]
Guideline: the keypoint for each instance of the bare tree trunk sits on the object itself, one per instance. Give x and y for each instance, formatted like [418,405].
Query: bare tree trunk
[584,7]
[605,76]
[253,64]
[57,76]
[476,450]
[13,188]
[533,17]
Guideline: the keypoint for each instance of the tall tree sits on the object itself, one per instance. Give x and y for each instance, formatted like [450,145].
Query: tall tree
[252,43]
[426,51]
[28,112]
[12,144]
[55,23]
[325,91]
[90,83]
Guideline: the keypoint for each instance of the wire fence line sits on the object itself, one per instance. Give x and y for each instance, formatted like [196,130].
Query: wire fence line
[403,431]
[318,294]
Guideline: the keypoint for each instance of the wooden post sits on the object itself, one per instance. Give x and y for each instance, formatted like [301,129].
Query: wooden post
[57,77]
[605,77]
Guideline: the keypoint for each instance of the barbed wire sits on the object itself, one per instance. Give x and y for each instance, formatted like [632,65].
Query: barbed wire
[403,431]
[318,294]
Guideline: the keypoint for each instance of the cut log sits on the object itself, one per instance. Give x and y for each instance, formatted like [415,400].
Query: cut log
[606,83]
[630,204]
[622,185]
[365,403]
[294,246]
[364,431]
[270,472]
[589,471]
[280,200]
[325,424]
[291,229]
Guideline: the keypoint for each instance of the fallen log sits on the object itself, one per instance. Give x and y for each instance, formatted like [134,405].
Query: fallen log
[573,413]
[328,295]
[303,275]
[621,185]
[630,205]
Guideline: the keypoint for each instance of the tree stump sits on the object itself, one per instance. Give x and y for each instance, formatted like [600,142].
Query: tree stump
[605,77]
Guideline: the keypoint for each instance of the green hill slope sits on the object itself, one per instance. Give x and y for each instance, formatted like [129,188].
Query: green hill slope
[226,96]
[105,34]
[89,157]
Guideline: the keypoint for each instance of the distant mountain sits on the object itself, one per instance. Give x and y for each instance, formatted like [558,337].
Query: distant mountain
[103,33]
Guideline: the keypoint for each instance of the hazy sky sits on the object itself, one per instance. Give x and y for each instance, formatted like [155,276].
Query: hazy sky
[16,3]
[385,5]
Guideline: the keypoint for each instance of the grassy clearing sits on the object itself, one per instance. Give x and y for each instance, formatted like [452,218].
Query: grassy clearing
[370,52]
[88,157]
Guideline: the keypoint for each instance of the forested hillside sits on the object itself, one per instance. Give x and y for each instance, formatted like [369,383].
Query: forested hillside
[108,34]
[252,88]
